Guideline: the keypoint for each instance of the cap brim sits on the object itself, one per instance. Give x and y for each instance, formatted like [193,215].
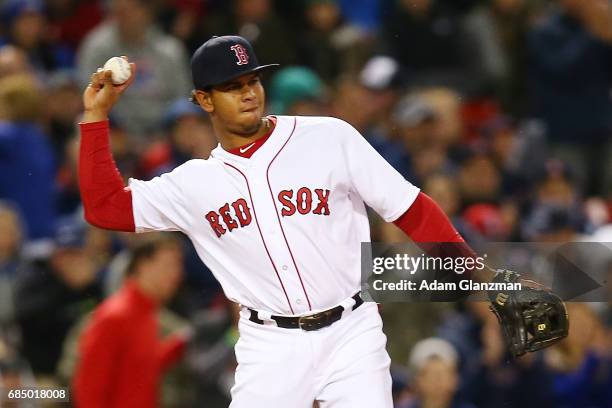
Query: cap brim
[263,67]
[260,68]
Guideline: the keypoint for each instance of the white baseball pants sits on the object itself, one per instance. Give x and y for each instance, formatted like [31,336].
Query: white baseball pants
[344,365]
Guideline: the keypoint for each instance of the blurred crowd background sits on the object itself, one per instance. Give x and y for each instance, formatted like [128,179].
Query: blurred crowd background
[501,110]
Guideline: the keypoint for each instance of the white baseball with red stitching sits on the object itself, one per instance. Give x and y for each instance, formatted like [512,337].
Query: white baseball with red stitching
[120,69]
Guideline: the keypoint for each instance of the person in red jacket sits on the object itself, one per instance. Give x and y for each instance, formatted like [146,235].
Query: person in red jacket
[122,358]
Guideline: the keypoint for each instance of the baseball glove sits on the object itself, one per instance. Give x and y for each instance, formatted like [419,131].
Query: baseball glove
[531,318]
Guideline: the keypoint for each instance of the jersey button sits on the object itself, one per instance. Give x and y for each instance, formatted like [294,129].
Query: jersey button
[285,267]
[298,301]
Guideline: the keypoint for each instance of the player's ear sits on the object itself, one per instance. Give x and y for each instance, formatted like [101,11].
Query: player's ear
[204,100]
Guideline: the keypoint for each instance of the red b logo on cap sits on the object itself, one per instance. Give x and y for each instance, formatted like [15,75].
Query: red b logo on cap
[241,54]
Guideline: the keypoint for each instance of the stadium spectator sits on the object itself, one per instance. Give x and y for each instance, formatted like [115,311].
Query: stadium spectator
[71,20]
[162,62]
[444,189]
[183,20]
[488,375]
[556,213]
[364,14]
[189,136]
[412,120]
[488,221]
[328,45]
[61,115]
[257,21]
[498,30]
[296,91]
[571,63]
[380,83]
[427,25]
[435,379]
[13,61]
[51,296]
[581,366]
[28,166]
[479,179]
[382,80]
[121,355]
[26,24]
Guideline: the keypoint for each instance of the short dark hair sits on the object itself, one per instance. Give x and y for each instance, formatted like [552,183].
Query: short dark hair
[193,98]
[148,248]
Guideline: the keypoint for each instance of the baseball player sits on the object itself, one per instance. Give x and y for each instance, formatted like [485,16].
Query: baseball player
[277,213]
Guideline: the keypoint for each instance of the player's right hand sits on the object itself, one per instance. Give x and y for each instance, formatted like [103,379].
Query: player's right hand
[101,95]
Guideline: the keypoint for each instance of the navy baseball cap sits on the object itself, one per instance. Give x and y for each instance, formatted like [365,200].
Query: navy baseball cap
[69,233]
[221,59]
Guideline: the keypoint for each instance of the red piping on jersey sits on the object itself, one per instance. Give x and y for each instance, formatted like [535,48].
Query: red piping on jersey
[278,217]
[261,235]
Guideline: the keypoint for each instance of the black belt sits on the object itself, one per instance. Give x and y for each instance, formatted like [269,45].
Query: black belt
[309,322]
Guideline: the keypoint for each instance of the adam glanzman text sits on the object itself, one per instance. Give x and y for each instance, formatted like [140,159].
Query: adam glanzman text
[411,264]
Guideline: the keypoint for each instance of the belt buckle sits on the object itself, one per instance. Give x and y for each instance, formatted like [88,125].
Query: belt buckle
[311,322]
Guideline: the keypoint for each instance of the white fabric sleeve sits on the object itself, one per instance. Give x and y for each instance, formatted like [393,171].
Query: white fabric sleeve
[158,204]
[378,184]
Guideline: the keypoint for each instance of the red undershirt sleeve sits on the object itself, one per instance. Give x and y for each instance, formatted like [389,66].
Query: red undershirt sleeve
[429,227]
[106,200]
[425,221]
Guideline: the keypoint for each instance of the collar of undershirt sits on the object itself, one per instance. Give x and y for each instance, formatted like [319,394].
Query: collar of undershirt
[246,151]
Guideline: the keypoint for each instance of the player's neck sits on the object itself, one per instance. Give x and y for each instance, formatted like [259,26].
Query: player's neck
[230,140]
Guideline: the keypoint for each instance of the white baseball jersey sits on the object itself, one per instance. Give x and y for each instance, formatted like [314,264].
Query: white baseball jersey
[281,230]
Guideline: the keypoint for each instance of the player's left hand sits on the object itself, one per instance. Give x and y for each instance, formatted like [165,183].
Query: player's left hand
[531,318]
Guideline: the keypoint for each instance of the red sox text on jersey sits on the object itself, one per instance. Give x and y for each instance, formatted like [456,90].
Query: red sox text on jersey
[305,201]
